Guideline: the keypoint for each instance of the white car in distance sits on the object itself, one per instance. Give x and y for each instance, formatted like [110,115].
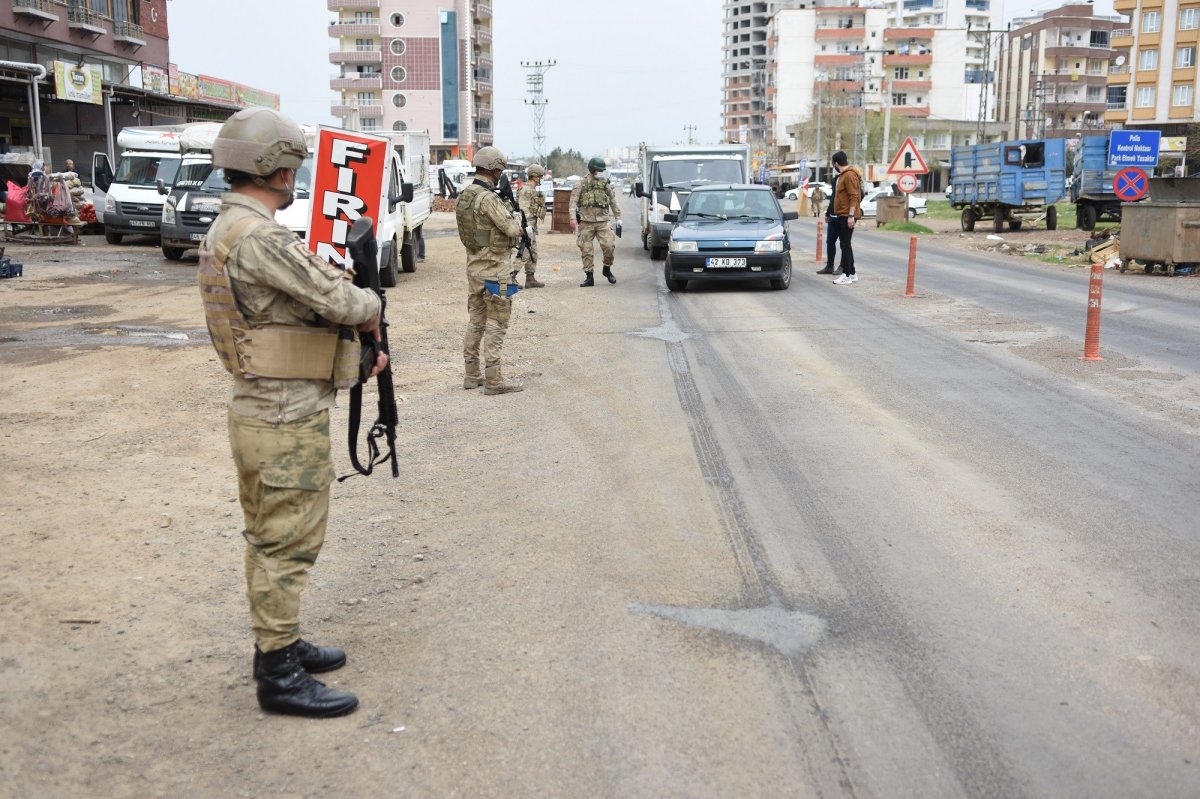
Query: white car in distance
[916,205]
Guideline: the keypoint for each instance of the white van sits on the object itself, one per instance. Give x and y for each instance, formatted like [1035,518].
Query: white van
[132,204]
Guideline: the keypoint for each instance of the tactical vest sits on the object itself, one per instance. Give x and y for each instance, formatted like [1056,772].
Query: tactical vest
[474,237]
[594,194]
[280,351]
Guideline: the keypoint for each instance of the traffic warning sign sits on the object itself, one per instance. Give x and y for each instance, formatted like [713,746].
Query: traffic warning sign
[908,160]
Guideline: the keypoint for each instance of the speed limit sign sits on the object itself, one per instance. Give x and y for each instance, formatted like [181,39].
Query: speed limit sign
[907,183]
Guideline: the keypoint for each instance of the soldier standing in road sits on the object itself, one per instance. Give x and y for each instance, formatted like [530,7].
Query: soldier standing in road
[277,314]
[533,203]
[592,203]
[487,227]
[818,197]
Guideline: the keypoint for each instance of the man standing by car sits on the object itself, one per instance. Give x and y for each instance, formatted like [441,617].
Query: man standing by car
[592,203]
[844,213]
[533,203]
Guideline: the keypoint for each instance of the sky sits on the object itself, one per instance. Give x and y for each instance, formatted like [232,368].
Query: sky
[627,71]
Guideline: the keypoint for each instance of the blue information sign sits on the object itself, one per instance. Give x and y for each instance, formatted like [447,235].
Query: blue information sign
[1133,148]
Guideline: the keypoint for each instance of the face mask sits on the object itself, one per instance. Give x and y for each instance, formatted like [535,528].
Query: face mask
[290,191]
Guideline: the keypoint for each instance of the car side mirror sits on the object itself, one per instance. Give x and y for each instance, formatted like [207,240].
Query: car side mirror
[162,187]
[639,189]
[406,192]
[789,215]
[670,217]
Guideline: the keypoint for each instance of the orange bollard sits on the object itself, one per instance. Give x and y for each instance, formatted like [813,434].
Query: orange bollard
[912,266]
[820,227]
[1091,338]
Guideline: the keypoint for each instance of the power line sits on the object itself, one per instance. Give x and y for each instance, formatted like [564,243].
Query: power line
[535,85]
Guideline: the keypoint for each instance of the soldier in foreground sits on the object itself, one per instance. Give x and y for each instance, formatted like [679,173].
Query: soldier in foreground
[593,203]
[533,203]
[278,315]
[487,227]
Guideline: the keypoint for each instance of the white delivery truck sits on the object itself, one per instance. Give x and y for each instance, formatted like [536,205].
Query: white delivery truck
[132,204]
[412,149]
[195,199]
[668,175]
[397,240]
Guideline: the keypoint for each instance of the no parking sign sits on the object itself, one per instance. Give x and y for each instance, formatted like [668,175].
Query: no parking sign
[1131,184]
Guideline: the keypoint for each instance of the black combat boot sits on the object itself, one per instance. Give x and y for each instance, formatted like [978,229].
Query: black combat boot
[608,274]
[313,659]
[587,281]
[285,687]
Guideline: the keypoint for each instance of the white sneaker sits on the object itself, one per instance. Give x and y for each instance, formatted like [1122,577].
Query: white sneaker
[844,280]
[854,278]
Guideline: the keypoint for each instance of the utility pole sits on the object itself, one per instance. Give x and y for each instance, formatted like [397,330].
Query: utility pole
[820,159]
[534,85]
[887,118]
[690,129]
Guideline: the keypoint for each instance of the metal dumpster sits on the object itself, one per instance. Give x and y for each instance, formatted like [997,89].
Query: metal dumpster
[891,209]
[1164,229]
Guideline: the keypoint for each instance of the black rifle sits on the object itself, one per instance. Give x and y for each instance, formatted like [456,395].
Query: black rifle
[362,248]
[504,192]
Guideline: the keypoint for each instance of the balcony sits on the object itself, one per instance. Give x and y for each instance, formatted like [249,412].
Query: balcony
[911,85]
[1121,37]
[483,80]
[129,33]
[838,58]
[483,9]
[484,63]
[41,10]
[370,111]
[833,32]
[905,34]
[338,5]
[352,28]
[353,57]
[364,83]
[907,59]
[86,20]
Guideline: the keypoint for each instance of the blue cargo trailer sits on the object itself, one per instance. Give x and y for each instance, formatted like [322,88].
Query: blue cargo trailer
[1009,181]
[1092,183]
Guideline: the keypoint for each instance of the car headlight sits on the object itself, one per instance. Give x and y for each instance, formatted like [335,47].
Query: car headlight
[682,246]
[110,204]
[168,214]
[768,246]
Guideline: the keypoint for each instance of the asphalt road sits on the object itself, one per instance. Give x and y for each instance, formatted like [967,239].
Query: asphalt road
[978,554]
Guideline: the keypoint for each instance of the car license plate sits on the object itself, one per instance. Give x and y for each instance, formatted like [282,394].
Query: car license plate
[195,236]
[140,223]
[725,263]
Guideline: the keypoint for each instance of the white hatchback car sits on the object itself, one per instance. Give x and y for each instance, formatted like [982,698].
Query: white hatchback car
[794,194]
[916,205]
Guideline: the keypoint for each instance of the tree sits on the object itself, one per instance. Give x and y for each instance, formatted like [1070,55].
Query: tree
[566,162]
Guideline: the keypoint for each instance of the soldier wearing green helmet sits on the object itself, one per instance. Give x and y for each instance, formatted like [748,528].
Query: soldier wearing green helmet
[593,205]
[281,320]
[533,203]
[488,228]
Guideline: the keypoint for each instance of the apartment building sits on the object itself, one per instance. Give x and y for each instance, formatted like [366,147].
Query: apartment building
[422,65]
[107,66]
[744,101]
[1054,73]
[859,60]
[1153,76]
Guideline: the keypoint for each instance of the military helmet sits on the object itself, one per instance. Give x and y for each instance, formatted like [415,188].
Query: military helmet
[597,165]
[489,158]
[259,141]
[534,171]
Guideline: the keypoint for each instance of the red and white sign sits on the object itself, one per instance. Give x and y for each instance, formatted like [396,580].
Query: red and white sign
[907,183]
[908,160]
[348,182]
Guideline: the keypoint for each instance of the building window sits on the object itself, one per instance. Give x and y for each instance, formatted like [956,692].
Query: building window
[397,47]
[364,45]
[399,100]
[1182,94]
[1099,39]
[1151,21]
[397,20]
[364,18]
[399,126]
[399,74]
[1145,97]
[899,98]
[901,73]
[1148,59]
[1189,19]
[366,98]
[448,30]
[368,124]
[1185,57]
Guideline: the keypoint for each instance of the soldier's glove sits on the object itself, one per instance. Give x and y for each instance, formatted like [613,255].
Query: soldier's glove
[618,229]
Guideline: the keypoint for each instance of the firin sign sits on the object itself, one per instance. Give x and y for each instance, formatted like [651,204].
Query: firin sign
[349,182]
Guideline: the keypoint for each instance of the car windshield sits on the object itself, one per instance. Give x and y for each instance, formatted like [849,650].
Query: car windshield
[144,170]
[731,204]
[685,173]
[200,176]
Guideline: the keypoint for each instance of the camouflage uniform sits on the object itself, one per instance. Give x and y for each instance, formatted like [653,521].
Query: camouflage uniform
[533,203]
[595,202]
[487,313]
[279,428]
